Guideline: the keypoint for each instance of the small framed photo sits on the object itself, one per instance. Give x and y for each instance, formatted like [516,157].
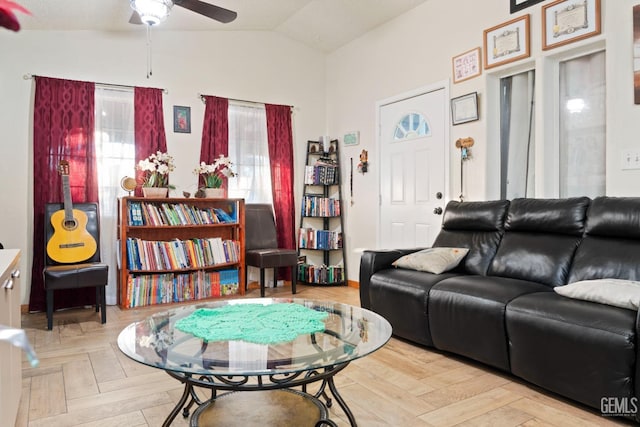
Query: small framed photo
[181,119]
[351,138]
[517,5]
[464,108]
[466,65]
[566,21]
[506,42]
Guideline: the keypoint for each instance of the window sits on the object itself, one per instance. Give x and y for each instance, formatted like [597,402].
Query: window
[583,126]
[410,126]
[249,151]
[517,147]
[114,139]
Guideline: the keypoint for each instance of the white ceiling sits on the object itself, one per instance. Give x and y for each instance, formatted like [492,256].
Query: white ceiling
[323,24]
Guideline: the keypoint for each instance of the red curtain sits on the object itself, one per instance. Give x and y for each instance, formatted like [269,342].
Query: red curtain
[63,129]
[280,140]
[215,130]
[148,126]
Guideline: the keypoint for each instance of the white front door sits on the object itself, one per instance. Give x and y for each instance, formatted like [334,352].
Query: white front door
[414,163]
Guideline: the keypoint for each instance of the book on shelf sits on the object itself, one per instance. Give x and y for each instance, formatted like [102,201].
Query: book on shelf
[141,213]
[310,238]
[321,273]
[162,288]
[180,254]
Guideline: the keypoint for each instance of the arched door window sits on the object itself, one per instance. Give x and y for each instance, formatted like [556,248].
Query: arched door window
[410,126]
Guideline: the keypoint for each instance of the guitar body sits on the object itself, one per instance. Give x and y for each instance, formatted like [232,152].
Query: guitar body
[71,242]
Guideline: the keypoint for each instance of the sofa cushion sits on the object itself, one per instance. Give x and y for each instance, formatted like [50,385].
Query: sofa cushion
[609,248]
[582,350]
[477,226]
[401,297]
[432,260]
[466,315]
[540,239]
[616,292]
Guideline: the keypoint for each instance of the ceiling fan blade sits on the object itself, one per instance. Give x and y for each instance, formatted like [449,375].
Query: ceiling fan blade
[135,19]
[211,11]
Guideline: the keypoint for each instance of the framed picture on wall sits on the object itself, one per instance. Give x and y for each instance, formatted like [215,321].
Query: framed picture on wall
[467,65]
[506,42]
[181,119]
[566,21]
[517,5]
[464,108]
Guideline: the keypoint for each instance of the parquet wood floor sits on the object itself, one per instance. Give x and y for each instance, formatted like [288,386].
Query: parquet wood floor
[84,380]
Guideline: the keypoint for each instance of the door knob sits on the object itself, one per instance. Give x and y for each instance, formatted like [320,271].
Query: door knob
[438,211]
[438,195]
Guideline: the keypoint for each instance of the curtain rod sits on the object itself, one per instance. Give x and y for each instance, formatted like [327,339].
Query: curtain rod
[31,76]
[201,96]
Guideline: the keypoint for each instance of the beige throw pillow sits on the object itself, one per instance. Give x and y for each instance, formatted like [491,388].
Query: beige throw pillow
[616,292]
[432,260]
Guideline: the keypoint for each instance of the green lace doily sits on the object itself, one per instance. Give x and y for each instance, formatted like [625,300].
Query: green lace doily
[255,323]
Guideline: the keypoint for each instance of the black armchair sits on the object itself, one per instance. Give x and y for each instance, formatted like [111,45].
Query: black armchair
[261,245]
[87,273]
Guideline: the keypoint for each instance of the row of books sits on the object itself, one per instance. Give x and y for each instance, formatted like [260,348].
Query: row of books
[180,254]
[148,289]
[310,238]
[154,214]
[320,206]
[320,273]
[321,175]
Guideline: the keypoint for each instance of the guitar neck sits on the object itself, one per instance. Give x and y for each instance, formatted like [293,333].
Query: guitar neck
[66,192]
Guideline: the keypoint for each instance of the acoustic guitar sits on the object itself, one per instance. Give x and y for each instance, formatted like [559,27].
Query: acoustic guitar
[70,242]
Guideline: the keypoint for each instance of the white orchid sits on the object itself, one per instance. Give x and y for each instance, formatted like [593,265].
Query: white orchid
[156,168]
[213,174]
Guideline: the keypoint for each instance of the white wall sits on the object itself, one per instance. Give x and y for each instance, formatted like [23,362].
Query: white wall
[257,66]
[333,94]
[415,50]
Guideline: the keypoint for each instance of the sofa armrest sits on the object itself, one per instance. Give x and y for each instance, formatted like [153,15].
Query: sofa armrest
[373,261]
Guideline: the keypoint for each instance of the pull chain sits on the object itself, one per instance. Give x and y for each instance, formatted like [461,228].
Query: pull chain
[149,70]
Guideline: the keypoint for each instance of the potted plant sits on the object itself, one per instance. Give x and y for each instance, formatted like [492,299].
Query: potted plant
[156,170]
[213,176]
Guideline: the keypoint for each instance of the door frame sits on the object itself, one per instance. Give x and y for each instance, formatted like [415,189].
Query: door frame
[441,85]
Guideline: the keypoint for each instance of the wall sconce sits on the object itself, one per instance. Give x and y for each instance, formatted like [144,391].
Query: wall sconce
[464,144]
[363,166]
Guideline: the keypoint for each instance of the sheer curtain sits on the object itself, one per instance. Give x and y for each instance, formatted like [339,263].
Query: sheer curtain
[249,151]
[583,126]
[517,149]
[114,139]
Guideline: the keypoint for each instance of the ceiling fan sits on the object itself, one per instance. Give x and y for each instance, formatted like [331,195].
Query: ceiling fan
[152,12]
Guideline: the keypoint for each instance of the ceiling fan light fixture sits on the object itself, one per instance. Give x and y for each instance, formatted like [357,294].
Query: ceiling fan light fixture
[152,12]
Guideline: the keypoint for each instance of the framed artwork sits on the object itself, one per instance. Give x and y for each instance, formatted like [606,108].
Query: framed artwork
[181,119]
[464,108]
[566,21]
[351,138]
[466,65]
[517,5]
[506,42]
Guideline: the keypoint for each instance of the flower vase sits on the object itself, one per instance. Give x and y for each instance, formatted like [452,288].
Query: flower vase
[155,192]
[214,193]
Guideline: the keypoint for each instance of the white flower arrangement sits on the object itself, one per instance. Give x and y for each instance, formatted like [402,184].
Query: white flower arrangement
[156,168]
[213,174]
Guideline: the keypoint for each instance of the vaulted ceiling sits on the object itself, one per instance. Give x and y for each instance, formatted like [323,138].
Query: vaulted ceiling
[322,24]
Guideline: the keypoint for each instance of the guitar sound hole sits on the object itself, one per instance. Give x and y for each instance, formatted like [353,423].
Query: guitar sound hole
[70,225]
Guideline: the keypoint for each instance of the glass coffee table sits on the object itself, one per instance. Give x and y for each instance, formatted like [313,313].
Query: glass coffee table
[228,367]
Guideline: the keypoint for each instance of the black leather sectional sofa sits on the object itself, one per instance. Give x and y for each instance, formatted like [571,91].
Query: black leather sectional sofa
[498,306]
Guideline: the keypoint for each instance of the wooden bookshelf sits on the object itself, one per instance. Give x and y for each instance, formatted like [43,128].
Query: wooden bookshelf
[174,250]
